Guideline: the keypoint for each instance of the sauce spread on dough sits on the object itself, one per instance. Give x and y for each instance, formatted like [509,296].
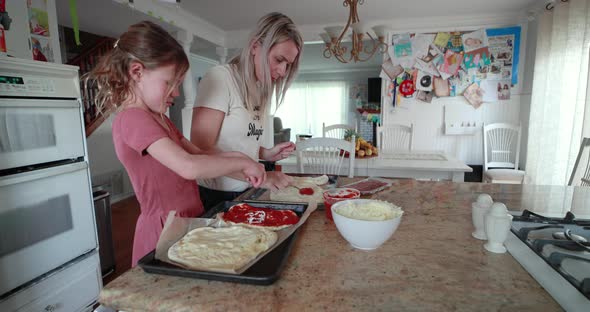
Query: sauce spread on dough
[306,191]
[244,213]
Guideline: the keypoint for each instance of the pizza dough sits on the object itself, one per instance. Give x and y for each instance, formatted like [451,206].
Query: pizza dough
[267,218]
[223,249]
[321,180]
[292,194]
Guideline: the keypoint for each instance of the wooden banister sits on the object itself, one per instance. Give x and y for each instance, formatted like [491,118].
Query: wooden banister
[86,62]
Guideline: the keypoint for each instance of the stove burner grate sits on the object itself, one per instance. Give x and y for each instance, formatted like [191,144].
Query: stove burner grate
[556,240]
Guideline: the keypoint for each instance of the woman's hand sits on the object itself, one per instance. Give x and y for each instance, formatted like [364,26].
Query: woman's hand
[277,152]
[276,180]
[254,172]
[233,154]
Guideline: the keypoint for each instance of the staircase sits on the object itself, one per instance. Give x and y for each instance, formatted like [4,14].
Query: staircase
[86,61]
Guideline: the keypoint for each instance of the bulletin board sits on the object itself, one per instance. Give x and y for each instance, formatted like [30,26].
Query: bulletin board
[480,65]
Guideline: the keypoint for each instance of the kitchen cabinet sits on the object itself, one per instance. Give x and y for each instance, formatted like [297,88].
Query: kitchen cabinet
[21,43]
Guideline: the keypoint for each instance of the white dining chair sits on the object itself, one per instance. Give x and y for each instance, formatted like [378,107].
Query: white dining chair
[335,131]
[501,150]
[395,137]
[325,156]
[581,173]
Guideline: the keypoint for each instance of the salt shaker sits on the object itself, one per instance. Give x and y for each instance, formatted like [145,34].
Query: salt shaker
[479,209]
[497,225]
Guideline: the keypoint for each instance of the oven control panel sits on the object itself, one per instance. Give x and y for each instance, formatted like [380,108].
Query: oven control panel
[25,85]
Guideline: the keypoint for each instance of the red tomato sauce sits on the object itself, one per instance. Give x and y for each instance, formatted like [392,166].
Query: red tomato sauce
[306,191]
[244,213]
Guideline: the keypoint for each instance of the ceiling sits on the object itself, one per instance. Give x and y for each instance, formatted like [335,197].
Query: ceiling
[237,17]
[231,15]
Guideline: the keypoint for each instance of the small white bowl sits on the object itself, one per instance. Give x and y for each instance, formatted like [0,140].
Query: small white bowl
[365,234]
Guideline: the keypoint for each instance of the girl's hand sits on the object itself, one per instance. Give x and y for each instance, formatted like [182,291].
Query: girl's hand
[278,152]
[254,173]
[276,180]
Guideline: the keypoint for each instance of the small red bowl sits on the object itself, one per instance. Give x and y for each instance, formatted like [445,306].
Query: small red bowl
[336,195]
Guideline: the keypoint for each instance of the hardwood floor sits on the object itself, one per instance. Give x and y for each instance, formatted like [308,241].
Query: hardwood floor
[124,216]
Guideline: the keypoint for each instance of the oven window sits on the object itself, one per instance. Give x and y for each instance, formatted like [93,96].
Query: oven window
[25,226]
[21,132]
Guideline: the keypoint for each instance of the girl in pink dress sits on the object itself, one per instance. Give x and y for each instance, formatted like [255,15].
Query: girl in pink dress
[139,78]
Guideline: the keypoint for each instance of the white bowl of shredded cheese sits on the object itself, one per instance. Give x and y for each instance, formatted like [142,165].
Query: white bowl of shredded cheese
[366,223]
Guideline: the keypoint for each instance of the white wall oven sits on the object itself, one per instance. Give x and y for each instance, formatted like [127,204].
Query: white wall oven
[48,242]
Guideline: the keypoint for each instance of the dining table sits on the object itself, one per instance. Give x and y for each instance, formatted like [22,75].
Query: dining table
[431,263]
[427,165]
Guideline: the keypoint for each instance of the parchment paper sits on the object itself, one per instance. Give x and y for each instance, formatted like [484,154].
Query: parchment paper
[175,228]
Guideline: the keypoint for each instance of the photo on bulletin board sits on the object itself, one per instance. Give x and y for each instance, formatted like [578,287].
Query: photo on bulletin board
[38,18]
[504,46]
[474,40]
[42,50]
[400,51]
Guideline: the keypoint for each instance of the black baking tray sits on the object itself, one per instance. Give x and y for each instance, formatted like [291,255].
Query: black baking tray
[264,272]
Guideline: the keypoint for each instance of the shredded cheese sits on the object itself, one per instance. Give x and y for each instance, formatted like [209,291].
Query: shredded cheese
[369,210]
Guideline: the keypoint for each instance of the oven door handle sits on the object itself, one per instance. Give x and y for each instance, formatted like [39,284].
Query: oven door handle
[38,103]
[41,173]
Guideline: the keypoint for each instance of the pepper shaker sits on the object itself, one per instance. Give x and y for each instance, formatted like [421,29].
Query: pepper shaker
[479,209]
[497,225]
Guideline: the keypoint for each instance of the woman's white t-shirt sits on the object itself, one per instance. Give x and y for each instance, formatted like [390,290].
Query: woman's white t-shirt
[240,131]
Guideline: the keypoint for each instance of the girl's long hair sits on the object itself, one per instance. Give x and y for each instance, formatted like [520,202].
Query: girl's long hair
[272,29]
[144,42]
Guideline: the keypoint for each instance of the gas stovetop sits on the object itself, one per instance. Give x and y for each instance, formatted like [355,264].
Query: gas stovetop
[562,242]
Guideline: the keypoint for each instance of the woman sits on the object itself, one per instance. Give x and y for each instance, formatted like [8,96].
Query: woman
[233,100]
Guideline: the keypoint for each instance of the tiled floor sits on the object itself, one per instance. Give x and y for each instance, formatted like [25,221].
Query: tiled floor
[124,215]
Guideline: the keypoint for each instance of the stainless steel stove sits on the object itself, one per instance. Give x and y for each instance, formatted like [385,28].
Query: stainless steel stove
[556,252]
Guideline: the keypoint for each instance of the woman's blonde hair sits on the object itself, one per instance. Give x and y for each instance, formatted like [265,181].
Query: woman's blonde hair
[272,29]
[144,42]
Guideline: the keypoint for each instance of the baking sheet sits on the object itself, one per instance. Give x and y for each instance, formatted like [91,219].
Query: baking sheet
[263,270]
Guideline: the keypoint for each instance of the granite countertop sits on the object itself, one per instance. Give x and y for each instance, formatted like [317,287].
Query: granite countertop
[431,263]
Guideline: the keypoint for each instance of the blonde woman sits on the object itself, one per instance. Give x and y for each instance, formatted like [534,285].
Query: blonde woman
[233,100]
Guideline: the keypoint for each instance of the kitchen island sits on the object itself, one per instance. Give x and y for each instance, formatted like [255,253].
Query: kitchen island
[431,263]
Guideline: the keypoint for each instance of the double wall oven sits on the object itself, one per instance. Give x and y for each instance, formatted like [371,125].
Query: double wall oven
[48,242]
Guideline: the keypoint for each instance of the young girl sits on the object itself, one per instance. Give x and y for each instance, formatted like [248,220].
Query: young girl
[140,78]
[233,100]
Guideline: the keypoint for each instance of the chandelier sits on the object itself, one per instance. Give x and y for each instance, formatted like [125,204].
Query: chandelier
[359,52]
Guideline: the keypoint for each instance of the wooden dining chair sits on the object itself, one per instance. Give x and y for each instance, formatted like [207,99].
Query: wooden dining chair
[325,156]
[501,150]
[581,173]
[395,137]
[335,131]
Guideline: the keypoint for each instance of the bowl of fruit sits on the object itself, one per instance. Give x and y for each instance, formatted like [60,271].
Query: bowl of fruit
[362,148]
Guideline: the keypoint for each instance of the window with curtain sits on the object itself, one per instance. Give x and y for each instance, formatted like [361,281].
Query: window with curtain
[558,99]
[308,104]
